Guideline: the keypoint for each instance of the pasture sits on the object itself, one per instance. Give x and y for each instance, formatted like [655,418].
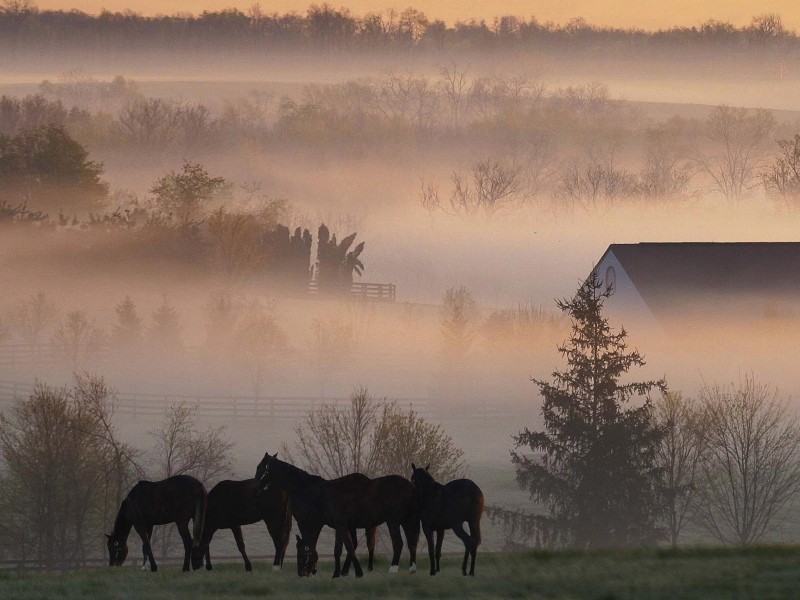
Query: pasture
[758,573]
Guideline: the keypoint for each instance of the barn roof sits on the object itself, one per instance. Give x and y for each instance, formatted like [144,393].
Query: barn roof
[666,274]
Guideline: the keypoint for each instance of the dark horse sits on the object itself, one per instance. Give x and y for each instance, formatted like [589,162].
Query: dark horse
[232,504]
[448,506]
[174,500]
[351,502]
[307,559]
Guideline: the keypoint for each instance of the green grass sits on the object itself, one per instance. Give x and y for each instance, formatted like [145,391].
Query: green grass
[759,573]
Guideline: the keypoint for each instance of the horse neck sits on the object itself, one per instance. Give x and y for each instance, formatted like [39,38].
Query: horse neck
[294,480]
[122,525]
[433,490]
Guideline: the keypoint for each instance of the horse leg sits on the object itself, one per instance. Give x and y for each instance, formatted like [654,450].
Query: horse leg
[337,555]
[347,561]
[186,536]
[411,529]
[468,546]
[144,554]
[144,533]
[429,536]
[208,557]
[237,535]
[276,533]
[474,527]
[351,552]
[439,540]
[397,545]
[372,534]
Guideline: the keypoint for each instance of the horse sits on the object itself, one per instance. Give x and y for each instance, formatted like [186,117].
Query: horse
[174,500]
[351,502]
[232,504]
[448,506]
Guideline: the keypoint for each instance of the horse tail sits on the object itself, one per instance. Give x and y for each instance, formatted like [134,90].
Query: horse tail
[475,526]
[199,518]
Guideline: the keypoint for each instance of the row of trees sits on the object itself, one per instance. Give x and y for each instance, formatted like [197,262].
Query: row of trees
[185,218]
[65,469]
[612,467]
[324,28]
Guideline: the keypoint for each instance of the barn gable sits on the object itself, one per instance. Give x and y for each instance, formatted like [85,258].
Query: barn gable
[677,278]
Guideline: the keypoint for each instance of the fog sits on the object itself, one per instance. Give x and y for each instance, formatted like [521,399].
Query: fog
[318,135]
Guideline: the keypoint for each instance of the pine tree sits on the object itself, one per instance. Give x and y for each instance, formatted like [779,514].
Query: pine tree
[594,465]
[128,329]
[165,333]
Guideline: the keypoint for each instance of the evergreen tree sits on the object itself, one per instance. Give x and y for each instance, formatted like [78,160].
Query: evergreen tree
[594,465]
[165,333]
[128,329]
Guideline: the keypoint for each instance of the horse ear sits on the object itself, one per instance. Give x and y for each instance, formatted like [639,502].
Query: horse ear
[413,467]
[108,536]
[275,455]
[428,467]
[298,538]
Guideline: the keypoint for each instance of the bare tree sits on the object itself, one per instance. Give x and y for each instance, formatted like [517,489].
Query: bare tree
[454,85]
[374,438]
[488,187]
[782,178]
[334,441]
[77,339]
[751,471]
[64,472]
[261,346]
[235,244]
[333,343]
[679,457]
[181,448]
[736,144]
[459,313]
[32,317]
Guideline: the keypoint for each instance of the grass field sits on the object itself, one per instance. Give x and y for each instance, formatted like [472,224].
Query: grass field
[760,573]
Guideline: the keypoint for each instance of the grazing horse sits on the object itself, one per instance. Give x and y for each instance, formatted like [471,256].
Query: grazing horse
[174,500]
[307,559]
[345,504]
[232,504]
[448,506]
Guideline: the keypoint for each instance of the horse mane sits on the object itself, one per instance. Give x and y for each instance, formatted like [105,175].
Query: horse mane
[298,472]
[121,524]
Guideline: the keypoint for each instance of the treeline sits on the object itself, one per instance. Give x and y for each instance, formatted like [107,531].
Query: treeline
[323,29]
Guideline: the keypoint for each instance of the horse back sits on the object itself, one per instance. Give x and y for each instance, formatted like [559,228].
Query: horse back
[166,501]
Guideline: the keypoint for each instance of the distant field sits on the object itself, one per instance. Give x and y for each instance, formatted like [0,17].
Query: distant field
[766,572]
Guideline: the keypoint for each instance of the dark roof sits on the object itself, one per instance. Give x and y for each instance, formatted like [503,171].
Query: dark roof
[669,273]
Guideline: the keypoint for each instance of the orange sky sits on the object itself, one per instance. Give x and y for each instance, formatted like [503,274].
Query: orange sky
[626,13]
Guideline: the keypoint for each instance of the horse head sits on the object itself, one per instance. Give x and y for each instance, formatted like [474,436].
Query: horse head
[198,554]
[421,478]
[117,550]
[306,559]
[263,477]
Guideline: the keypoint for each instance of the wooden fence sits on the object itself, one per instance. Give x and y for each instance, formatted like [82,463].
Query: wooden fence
[285,408]
[382,292]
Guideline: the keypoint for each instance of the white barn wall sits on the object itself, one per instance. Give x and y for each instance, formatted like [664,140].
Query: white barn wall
[625,305]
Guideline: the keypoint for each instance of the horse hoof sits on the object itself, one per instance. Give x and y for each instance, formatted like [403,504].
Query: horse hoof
[359,576]
[412,569]
[393,569]
[276,567]
[144,567]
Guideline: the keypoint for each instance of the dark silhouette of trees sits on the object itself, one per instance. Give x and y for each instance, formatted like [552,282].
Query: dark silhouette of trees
[782,178]
[185,195]
[46,169]
[289,258]
[336,263]
[594,464]
[165,332]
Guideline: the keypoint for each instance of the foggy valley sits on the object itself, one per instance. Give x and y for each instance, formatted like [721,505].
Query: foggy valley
[177,218]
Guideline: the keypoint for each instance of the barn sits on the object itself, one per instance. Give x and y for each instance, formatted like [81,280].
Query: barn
[656,282]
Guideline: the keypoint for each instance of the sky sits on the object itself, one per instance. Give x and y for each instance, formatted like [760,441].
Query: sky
[620,13]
